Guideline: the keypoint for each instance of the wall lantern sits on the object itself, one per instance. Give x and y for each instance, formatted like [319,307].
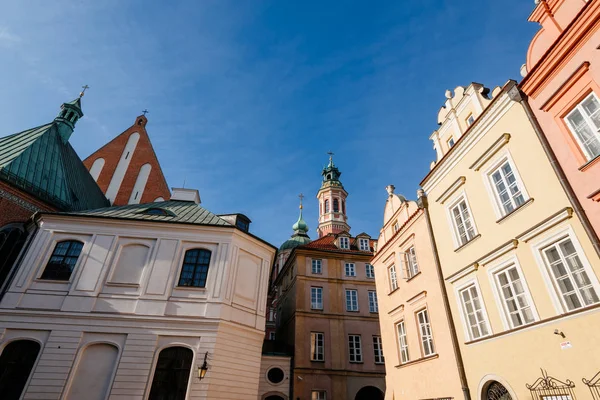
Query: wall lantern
[202,370]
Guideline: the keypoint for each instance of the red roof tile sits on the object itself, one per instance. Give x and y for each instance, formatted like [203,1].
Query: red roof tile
[328,243]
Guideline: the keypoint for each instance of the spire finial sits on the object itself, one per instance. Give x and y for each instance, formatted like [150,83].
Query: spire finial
[84,87]
[301,196]
[145,111]
[331,154]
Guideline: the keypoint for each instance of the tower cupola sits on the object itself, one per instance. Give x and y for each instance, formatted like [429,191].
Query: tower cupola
[332,201]
[70,113]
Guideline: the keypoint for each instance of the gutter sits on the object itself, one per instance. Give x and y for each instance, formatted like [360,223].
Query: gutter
[424,204]
[521,97]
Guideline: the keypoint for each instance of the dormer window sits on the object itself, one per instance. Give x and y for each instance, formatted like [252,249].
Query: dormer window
[344,243]
[470,119]
[364,244]
[156,211]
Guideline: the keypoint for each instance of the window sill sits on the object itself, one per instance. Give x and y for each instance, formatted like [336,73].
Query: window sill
[51,280]
[373,312]
[318,361]
[395,290]
[356,362]
[316,309]
[122,284]
[414,276]
[380,363]
[510,214]
[417,361]
[462,246]
[192,288]
[590,163]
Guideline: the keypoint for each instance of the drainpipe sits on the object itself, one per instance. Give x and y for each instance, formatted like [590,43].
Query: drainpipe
[424,205]
[517,95]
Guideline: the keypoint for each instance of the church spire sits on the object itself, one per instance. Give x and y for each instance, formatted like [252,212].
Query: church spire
[300,235]
[70,113]
[300,226]
[332,201]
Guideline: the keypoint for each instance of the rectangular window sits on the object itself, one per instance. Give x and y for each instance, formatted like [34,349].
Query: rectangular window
[402,342]
[351,300]
[370,271]
[450,142]
[463,223]
[317,346]
[506,187]
[396,226]
[350,269]
[473,311]
[316,267]
[411,262]
[393,278]
[425,333]
[364,245]
[378,350]
[515,302]
[344,243]
[470,120]
[318,395]
[271,335]
[584,123]
[571,280]
[373,306]
[354,348]
[316,298]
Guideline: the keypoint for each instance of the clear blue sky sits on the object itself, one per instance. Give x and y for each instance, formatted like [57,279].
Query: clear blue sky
[246,97]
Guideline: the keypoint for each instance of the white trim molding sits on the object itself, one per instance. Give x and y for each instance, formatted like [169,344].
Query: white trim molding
[462,273]
[450,191]
[489,153]
[548,223]
[499,252]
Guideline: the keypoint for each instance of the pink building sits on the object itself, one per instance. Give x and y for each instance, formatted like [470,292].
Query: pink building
[562,77]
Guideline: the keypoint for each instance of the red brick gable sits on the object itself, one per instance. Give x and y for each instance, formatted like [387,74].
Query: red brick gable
[156,186]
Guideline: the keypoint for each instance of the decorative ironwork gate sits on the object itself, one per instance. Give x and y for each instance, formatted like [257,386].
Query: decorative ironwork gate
[594,385]
[549,388]
[497,391]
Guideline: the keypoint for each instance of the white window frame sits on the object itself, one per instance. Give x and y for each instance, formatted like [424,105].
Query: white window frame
[473,283]
[349,294]
[452,223]
[318,395]
[499,298]
[410,262]
[373,304]
[450,145]
[369,271]
[402,342]
[317,355]
[344,242]
[393,276]
[316,292]
[355,345]
[317,266]
[501,159]
[540,244]
[350,269]
[573,131]
[395,227]
[468,118]
[378,350]
[364,244]
[425,332]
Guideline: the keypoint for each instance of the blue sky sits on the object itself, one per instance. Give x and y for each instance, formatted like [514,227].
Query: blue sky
[246,97]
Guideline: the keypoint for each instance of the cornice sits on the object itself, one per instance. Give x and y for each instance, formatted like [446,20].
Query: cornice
[451,190]
[567,84]
[546,224]
[461,273]
[489,153]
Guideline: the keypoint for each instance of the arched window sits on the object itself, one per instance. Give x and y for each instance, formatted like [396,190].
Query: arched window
[63,260]
[326,206]
[94,374]
[16,363]
[195,268]
[171,374]
[336,205]
[12,239]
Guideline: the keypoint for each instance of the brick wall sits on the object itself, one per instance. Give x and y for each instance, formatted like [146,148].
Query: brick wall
[18,206]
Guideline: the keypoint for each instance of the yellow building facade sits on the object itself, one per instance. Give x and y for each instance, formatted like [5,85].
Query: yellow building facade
[520,271]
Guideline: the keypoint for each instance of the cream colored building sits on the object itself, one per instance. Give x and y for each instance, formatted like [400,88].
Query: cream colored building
[521,273]
[420,357]
[132,302]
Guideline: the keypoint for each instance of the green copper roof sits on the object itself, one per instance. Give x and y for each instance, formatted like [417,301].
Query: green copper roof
[186,212]
[300,225]
[40,161]
[299,237]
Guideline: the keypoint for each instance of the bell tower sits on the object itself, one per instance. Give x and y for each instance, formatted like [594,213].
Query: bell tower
[332,201]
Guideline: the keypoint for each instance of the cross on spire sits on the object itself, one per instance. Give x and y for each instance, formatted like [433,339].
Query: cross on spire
[145,111]
[331,154]
[301,196]
[84,87]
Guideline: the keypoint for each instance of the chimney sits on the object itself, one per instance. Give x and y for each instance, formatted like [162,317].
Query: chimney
[182,194]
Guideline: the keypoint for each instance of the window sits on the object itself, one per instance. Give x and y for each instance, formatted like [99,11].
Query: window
[326,205]
[378,350]
[354,348]
[402,342]
[470,119]
[16,363]
[463,225]
[316,346]
[155,211]
[373,306]
[171,374]
[364,244]
[569,275]
[370,271]
[473,312]
[514,298]
[507,188]
[393,278]
[450,142]
[425,332]
[275,375]
[396,226]
[344,243]
[318,395]
[584,122]
[63,260]
[195,268]
[412,267]
[351,300]
[316,298]
[271,335]
[336,205]
[350,269]
[242,224]
[316,267]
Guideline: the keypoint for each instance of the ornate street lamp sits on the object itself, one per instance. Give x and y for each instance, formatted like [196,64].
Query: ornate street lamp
[202,370]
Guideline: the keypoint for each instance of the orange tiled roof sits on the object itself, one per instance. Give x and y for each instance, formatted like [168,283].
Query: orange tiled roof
[328,243]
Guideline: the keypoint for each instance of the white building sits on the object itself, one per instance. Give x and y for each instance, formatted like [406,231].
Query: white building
[129,302]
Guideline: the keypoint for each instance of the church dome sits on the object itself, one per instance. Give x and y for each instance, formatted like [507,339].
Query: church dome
[300,225]
[295,241]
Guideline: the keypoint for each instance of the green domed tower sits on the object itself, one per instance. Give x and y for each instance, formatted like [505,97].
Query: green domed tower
[300,235]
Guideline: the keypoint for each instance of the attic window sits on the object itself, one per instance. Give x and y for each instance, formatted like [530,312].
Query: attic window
[344,243]
[156,211]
